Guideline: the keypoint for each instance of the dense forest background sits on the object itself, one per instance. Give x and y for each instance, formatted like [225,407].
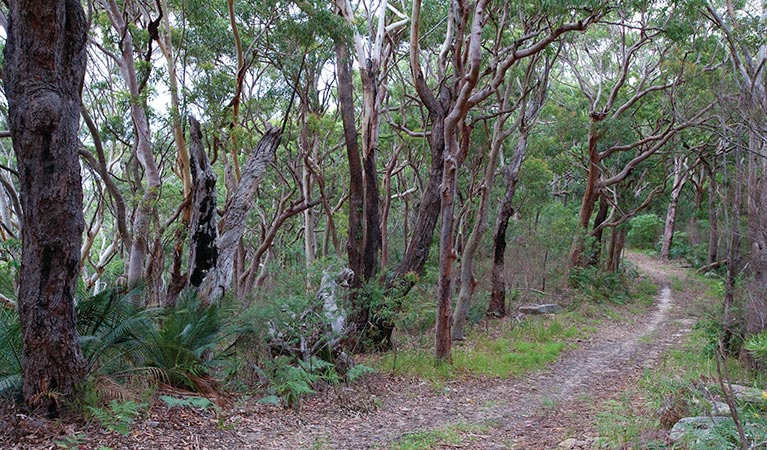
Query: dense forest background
[458,156]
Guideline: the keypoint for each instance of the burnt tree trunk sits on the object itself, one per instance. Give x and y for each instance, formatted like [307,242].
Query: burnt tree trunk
[232,226]
[45,58]
[203,251]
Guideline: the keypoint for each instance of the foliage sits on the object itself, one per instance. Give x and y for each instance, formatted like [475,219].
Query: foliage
[118,416]
[179,346]
[529,346]
[289,382]
[757,346]
[10,352]
[599,285]
[645,231]
[187,402]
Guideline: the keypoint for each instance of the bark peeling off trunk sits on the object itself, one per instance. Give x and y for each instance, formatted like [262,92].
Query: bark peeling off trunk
[44,68]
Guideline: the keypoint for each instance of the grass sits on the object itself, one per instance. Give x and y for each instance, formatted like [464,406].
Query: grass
[527,347]
[684,371]
[454,435]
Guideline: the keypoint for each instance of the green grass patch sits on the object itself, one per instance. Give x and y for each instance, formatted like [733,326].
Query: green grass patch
[527,347]
[453,435]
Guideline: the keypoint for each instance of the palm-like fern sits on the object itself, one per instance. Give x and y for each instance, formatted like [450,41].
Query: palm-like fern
[10,352]
[182,342]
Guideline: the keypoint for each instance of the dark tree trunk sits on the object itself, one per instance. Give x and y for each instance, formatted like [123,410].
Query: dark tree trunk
[355,244]
[203,251]
[43,73]
[417,252]
[497,304]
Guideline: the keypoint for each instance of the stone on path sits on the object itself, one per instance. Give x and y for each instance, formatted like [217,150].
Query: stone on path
[572,443]
[548,308]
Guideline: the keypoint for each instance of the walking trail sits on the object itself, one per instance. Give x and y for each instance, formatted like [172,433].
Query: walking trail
[537,411]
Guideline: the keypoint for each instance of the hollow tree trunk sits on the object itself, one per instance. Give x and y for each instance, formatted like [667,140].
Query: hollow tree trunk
[45,58]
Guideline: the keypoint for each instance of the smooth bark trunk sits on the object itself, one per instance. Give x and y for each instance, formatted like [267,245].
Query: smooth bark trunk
[668,231]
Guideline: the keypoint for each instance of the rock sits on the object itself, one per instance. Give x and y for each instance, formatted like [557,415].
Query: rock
[720,409]
[702,425]
[572,443]
[749,394]
[548,308]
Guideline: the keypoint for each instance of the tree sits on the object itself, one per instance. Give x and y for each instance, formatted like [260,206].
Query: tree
[45,58]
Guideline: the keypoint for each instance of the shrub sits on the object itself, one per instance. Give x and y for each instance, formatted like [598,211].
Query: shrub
[645,230]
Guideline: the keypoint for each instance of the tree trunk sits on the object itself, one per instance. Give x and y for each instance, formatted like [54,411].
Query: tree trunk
[203,249]
[617,243]
[713,231]
[45,57]
[589,195]
[756,304]
[219,279]
[372,93]
[733,255]
[596,247]
[668,232]
[143,148]
[355,241]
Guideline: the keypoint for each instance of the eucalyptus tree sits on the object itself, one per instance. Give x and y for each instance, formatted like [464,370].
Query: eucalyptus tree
[43,72]
[462,86]
[739,24]
[623,69]
[122,49]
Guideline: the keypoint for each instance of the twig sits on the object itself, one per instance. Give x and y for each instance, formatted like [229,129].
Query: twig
[727,392]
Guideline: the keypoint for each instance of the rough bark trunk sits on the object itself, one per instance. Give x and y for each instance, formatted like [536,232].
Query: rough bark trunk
[232,226]
[203,249]
[45,57]
[355,241]
[371,104]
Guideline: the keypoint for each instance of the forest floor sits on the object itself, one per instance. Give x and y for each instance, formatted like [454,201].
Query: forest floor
[537,411]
